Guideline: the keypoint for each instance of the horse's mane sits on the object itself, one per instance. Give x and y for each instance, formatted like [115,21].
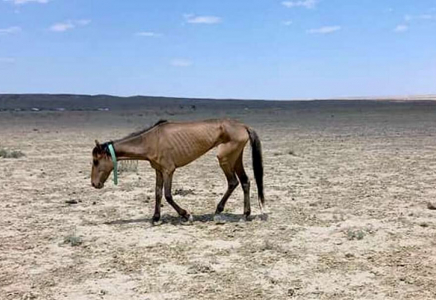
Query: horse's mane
[136,133]
[105,146]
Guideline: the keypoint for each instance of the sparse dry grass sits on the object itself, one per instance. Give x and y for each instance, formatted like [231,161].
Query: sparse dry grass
[5,153]
[128,166]
[349,214]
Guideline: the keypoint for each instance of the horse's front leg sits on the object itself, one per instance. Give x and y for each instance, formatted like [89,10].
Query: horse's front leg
[168,180]
[158,195]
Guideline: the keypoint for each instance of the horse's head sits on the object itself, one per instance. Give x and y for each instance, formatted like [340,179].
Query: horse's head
[102,165]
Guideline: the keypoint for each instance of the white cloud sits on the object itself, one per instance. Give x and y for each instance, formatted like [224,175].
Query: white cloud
[181,63]
[10,30]
[148,34]
[301,3]
[409,18]
[287,23]
[193,19]
[20,2]
[68,25]
[401,28]
[83,22]
[59,27]
[7,60]
[324,30]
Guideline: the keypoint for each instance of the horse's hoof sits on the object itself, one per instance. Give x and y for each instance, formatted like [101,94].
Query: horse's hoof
[264,217]
[218,219]
[187,219]
[157,223]
[245,218]
[190,219]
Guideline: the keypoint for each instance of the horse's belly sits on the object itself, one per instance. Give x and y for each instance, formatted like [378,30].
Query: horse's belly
[183,160]
[188,144]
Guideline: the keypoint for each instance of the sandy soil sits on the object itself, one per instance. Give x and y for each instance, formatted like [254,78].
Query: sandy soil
[347,192]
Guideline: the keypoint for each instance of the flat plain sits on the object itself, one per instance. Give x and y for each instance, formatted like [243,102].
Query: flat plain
[348,186]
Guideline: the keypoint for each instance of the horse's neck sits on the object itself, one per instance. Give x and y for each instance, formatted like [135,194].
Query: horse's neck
[131,148]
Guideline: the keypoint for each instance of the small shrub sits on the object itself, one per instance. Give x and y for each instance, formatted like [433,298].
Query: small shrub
[200,269]
[73,239]
[183,192]
[16,154]
[11,154]
[355,234]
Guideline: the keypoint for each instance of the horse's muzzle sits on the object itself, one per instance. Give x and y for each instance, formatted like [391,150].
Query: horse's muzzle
[98,185]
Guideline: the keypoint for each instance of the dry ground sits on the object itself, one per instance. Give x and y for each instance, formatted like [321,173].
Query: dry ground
[347,192]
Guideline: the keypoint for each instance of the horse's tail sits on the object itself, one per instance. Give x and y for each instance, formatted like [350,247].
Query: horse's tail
[256,149]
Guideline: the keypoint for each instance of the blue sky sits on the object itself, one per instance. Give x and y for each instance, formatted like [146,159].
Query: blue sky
[258,49]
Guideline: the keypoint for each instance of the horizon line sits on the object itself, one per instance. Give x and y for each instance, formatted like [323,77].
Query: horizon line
[413,97]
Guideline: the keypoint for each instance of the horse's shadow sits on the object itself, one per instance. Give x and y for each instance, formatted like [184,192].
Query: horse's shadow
[175,220]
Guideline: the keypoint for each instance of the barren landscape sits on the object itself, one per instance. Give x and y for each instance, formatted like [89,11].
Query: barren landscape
[348,185]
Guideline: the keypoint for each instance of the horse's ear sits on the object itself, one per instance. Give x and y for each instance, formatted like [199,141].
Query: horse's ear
[97,144]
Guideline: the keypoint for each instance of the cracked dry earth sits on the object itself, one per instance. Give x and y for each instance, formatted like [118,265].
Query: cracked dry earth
[347,192]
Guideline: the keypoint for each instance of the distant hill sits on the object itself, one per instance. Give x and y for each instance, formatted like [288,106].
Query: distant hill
[71,102]
[102,102]
[395,98]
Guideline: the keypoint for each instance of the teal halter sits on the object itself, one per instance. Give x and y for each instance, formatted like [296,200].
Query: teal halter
[114,160]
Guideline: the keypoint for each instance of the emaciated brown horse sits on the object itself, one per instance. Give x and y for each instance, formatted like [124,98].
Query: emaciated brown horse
[170,145]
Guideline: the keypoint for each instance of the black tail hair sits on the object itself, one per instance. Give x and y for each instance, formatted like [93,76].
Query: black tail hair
[256,149]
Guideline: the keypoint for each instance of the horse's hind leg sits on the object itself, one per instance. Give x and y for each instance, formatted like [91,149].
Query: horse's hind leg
[227,156]
[232,183]
[168,181]
[245,182]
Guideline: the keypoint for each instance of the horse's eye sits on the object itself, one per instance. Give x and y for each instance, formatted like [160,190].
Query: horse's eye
[95,162]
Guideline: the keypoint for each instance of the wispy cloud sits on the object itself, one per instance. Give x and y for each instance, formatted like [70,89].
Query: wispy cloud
[68,25]
[59,27]
[148,34]
[401,28]
[409,18]
[21,2]
[193,19]
[182,63]
[324,30]
[83,22]
[7,60]
[287,23]
[10,30]
[301,3]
